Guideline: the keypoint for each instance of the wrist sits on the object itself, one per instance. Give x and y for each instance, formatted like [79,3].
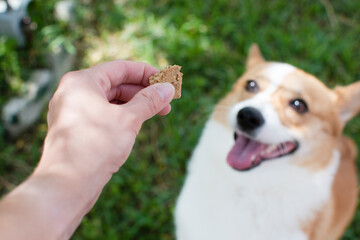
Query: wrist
[65,197]
[61,156]
[60,181]
[60,163]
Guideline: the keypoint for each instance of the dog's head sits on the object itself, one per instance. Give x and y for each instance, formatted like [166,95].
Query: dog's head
[277,110]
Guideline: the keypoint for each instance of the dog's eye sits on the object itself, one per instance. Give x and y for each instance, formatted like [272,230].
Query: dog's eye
[251,86]
[299,105]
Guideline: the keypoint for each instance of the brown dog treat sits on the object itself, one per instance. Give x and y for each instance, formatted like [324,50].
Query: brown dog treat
[170,74]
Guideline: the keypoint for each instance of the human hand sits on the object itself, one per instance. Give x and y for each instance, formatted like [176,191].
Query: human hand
[84,123]
[90,135]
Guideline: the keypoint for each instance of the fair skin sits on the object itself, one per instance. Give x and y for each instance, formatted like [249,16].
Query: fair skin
[93,120]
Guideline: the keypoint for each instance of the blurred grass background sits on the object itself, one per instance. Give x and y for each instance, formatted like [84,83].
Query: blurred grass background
[210,40]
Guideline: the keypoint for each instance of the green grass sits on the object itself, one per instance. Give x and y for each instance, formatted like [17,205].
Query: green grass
[210,40]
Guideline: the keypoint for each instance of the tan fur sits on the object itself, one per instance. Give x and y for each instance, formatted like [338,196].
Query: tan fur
[255,58]
[238,93]
[317,228]
[345,190]
[221,110]
[321,110]
[331,221]
[321,127]
[321,114]
[348,98]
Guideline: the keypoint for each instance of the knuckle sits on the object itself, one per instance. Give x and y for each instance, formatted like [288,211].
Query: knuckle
[51,103]
[54,100]
[69,77]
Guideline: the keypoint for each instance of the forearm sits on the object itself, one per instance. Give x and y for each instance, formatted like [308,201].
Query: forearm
[51,203]
[38,209]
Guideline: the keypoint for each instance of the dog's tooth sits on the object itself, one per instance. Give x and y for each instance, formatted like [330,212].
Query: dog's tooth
[271,148]
[282,148]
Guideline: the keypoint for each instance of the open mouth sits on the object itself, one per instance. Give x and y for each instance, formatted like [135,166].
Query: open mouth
[248,153]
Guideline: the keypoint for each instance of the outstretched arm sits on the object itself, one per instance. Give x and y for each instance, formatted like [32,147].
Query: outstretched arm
[90,136]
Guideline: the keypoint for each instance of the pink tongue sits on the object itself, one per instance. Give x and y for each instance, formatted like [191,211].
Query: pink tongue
[245,153]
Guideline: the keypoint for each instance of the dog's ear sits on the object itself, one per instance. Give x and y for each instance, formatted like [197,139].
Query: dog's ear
[347,101]
[254,57]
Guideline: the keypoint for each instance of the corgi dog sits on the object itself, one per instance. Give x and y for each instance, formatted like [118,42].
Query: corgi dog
[272,162]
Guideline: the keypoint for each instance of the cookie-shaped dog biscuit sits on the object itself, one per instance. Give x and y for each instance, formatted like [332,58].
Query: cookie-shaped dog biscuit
[170,74]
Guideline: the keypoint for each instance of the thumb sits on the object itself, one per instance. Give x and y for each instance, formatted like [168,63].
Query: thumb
[151,100]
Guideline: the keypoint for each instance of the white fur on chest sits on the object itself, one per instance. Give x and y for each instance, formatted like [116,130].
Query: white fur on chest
[272,201]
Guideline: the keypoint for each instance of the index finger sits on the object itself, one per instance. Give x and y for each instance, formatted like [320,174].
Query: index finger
[115,73]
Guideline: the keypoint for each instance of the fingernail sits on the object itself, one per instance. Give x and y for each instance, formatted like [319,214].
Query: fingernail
[166,91]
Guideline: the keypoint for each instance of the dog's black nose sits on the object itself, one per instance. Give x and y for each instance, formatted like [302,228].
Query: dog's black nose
[249,119]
